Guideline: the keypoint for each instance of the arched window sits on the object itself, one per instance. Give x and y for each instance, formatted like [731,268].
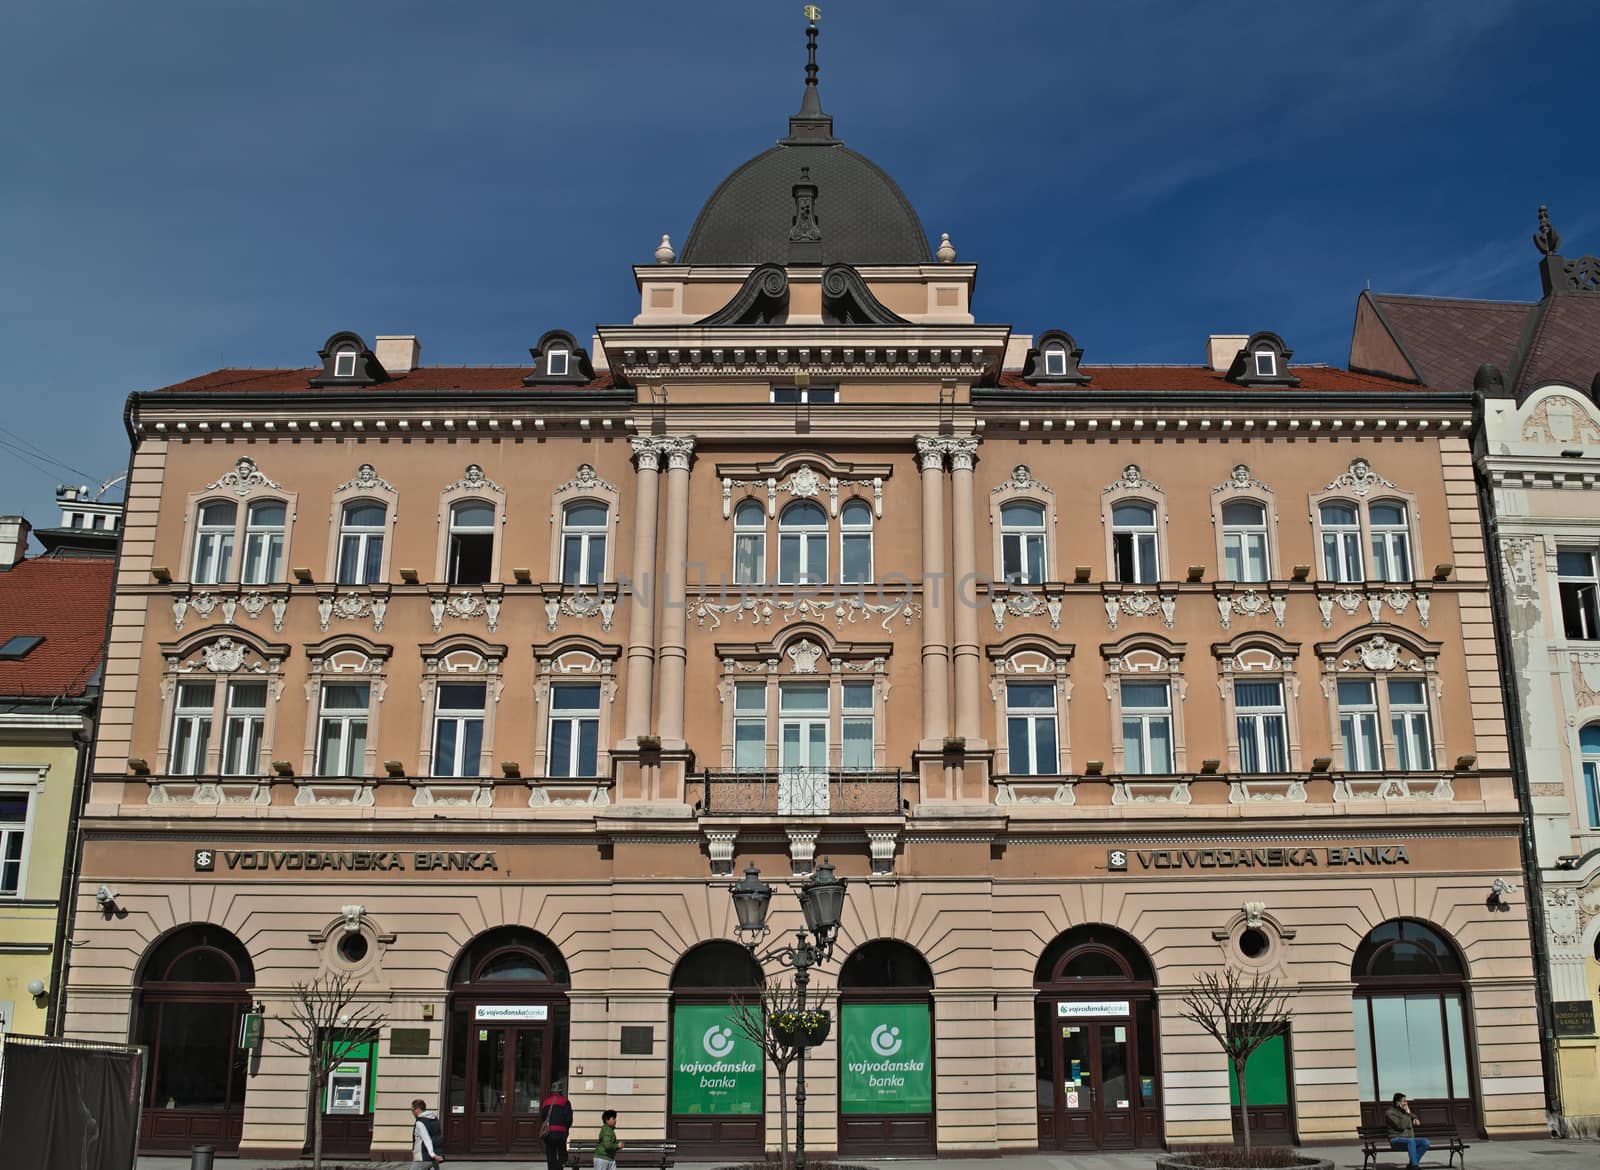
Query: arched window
[1391,540]
[749,544]
[728,1123]
[1341,543]
[885,963]
[1133,541]
[1022,531]
[886,1010]
[1244,541]
[583,543]
[1589,741]
[471,555]
[855,543]
[361,531]
[802,544]
[1410,1023]
[194,986]
[213,544]
[263,542]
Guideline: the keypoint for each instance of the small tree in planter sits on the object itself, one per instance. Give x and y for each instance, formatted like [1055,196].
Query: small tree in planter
[774,1021]
[1241,1015]
[325,1025]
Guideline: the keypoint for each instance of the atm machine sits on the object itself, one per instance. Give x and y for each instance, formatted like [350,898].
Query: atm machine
[347,1089]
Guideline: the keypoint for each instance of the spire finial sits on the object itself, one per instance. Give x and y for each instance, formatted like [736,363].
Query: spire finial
[812,13]
[1546,239]
[811,122]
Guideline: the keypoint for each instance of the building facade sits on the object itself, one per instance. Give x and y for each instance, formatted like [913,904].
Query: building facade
[1536,454]
[479,683]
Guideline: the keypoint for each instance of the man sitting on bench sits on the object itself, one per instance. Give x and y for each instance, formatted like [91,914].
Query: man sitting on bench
[1401,1128]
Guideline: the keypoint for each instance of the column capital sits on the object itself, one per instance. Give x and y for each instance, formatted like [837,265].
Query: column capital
[648,450]
[963,452]
[930,452]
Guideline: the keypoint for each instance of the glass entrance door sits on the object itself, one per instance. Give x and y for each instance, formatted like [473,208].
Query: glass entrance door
[1095,1084]
[510,1073]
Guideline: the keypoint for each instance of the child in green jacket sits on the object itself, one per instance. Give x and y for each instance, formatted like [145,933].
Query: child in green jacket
[605,1149]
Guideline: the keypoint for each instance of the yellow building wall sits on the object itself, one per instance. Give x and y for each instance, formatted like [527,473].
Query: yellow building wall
[28,920]
[1580,1060]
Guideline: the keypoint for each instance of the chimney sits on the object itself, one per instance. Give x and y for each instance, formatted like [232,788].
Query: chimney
[1222,348]
[13,540]
[398,354]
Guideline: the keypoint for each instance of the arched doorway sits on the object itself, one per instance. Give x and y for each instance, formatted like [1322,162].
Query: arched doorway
[717,1102]
[886,1052]
[1095,1043]
[507,1041]
[1410,1018]
[194,986]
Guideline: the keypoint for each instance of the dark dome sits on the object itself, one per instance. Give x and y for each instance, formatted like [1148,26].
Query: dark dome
[864,216]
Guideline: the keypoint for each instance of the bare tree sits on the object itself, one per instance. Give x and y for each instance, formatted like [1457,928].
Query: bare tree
[751,1019]
[325,1025]
[1241,1015]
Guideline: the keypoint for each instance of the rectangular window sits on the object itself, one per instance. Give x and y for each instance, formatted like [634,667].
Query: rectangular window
[749,558]
[1408,718]
[342,729]
[1413,1054]
[574,730]
[856,731]
[458,729]
[1244,556]
[750,727]
[243,725]
[1591,785]
[1358,725]
[213,557]
[1022,557]
[191,728]
[344,364]
[13,834]
[805,395]
[855,557]
[1262,725]
[471,557]
[1031,729]
[1146,728]
[803,727]
[1578,582]
[1266,363]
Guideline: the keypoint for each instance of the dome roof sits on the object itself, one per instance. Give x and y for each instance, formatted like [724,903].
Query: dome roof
[863,215]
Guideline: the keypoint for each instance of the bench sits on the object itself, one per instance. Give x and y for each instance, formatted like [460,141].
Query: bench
[1375,1141]
[660,1155]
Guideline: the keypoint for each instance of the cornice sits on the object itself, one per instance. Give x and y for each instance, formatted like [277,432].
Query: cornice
[735,273]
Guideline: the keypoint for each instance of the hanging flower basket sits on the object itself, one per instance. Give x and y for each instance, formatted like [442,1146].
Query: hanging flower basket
[799,1029]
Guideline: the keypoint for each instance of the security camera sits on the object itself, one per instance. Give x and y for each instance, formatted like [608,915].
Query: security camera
[1502,887]
[104,896]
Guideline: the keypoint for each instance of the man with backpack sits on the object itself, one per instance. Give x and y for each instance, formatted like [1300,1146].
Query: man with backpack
[427,1136]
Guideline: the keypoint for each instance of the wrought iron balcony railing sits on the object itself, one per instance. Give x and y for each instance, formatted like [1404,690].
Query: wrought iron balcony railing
[801,793]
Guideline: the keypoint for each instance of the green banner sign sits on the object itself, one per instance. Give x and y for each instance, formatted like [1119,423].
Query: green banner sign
[886,1052]
[715,1068]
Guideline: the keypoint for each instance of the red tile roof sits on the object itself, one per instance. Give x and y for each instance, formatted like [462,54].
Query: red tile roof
[66,601]
[1203,378]
[423,378]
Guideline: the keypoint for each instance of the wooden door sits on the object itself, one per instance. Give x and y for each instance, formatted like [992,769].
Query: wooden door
[1269,1090]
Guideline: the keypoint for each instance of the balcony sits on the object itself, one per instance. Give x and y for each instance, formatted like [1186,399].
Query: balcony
[801,793]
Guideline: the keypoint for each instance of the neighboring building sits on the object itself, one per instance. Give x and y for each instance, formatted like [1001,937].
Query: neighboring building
[478,683]
[53,612]
[1538,367]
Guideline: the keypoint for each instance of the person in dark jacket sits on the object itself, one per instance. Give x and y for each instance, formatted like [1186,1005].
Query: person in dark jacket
[556,1111]
[427,1134]
[1402,1129]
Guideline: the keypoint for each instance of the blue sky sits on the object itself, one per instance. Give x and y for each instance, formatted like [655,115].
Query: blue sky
[190,185]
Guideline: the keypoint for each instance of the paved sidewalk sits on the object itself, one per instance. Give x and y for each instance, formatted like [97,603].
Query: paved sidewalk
[1572,1154]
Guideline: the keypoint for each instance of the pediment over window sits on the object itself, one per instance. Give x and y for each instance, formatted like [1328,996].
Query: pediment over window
[763,299]
[1028,645]
[846,300]
[805,648]
[804,475]
[1379,648]
[1256,650]
[462,654]
[348,654]
[224,650]
[1147,653]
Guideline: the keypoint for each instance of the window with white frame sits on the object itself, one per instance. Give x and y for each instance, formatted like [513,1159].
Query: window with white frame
[213,543]
[749,544]
[805,395]
[1408,719]
[361,531]
[1266,363]
[471,553]
[1341,543]
[1244,541]
[583,543]
[13,841]
[855,543]
[1022,531]
[802,544]
[344,363]
[556,362]
[1133,542]
[1031,729]
[263,542]
[244,724]
[458,729]
[1580,593]
[1055,360]
[856,732]
[750,727]
[191,728]
[803,727]
[1391,540]
[574,729]
[1358,725]
[342,729]
[1146,728]
[1589,743]
[1262,725]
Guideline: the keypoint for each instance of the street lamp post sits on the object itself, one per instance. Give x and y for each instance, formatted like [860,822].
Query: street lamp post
[821,905]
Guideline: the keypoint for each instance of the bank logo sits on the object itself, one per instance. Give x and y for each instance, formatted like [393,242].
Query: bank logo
[886,1040]
[718,1042]
[1117,859]
[205,860]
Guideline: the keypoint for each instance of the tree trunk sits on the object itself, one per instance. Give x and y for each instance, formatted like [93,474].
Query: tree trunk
[1244,1099]
[316,1125]
[783,1116]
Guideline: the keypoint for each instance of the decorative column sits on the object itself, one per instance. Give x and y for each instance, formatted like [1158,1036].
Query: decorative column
[679,450]
[964,599]
[935,588]
[642,591]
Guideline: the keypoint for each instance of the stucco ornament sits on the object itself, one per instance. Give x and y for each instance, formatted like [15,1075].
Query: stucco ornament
[804,654]
[1561,917]
[473,479]
[243,479]
[352,917]
[804,482]
[1359,480]
[366,480]
[224,656]
[1253,912]
[1131,479]
[1378,654]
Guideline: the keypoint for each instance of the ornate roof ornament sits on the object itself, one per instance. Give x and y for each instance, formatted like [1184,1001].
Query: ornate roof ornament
[811,122]
[947,250]
[1359,480]
[243,479]
[1546,239]
[664,251]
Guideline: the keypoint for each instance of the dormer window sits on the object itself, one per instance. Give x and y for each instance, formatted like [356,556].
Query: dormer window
[1266,363]
[344,364]
[1263,360]
[556,363]
[1055,361]
[559,358]
[346,361]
